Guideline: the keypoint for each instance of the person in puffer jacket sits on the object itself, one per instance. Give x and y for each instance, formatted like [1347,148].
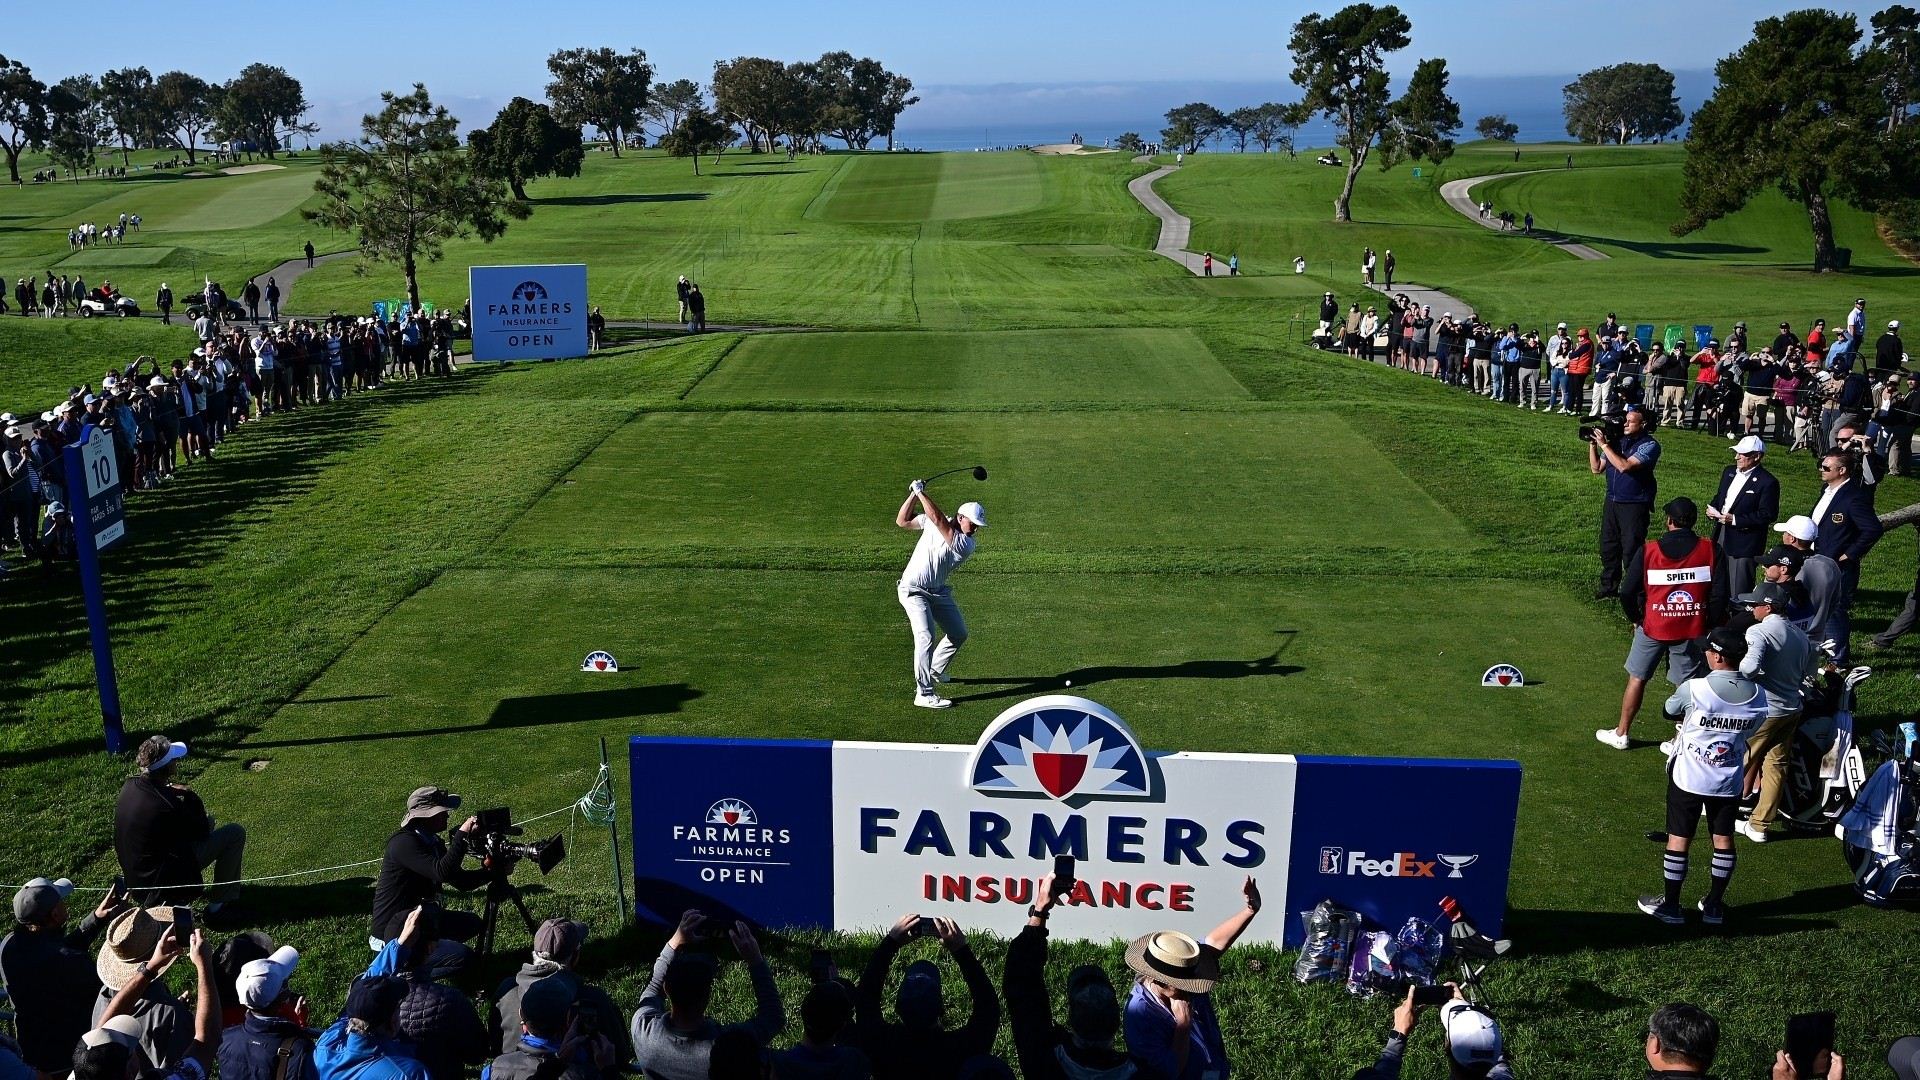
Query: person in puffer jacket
[361,1045]
[447,1035]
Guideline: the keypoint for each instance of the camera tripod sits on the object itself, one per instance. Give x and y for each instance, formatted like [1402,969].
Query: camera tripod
[500,888]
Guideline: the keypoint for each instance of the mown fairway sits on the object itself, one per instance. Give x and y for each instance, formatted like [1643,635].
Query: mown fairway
[1236,543]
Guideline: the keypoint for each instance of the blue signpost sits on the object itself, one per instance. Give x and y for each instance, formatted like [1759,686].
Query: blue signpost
[99,523]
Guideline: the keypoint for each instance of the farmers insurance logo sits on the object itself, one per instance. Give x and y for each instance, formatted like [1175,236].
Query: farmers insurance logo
[731,845]
[1060,747]
[530,291]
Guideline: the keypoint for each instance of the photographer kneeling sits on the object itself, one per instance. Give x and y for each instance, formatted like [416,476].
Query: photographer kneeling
[416,865]
[1474,1047]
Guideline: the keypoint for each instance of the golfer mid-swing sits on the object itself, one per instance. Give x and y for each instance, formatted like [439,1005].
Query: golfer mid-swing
[944,544]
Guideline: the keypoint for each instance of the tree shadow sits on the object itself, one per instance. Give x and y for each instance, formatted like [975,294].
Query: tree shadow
[769,172]
[540,710]
[1030,685]
[1652,249]
[620,198]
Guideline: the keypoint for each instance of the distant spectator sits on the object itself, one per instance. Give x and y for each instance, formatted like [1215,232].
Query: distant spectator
[116,1049]
[696,309]
[673,1037]
[1848,530]
[1046,1050]
[826,1013]
[437,1019]
[556,953]
[48,973]
[1169,1020]
[164,836]
[273,1041]
[1682,1040]
[1472,1039]
[139,948]
[680,289]
[919,1047]
[551,1043]
[596,330]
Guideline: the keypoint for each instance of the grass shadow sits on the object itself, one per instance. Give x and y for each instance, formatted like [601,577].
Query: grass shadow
[1536,932]
[1029,685]
[539,710]
[621,198]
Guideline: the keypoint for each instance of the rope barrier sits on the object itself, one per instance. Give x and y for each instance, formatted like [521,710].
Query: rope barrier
[596,806]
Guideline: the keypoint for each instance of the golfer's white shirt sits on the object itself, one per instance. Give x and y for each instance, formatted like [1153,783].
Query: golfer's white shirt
[933,559]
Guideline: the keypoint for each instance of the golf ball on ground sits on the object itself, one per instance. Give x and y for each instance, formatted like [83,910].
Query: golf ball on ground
[1069,682]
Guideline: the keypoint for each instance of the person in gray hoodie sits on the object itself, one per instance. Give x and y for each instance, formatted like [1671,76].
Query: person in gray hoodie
[556,953]
[672,1034]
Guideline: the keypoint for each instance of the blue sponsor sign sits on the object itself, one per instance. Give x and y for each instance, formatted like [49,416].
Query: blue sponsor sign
[847,835]
[529,312]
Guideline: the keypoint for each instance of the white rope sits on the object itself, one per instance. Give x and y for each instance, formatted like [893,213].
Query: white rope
[589,804]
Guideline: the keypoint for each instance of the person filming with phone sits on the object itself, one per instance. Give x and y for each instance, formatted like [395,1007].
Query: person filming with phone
[1170,1022]
[1475,1050]
[48,973]
[919,1046]
[673,1036]
[1084,1046]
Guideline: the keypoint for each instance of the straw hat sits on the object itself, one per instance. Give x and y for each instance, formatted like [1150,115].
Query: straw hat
[1174,959]
[130,941]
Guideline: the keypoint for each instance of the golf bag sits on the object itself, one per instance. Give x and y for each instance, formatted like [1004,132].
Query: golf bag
[1824,768]
[1879,834]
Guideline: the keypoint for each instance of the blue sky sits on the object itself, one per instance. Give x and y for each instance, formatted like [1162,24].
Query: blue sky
[976,62]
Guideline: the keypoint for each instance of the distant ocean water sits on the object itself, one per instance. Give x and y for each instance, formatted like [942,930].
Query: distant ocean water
[1536,125]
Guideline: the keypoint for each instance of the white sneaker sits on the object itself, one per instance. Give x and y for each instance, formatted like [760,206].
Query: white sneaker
[1747,830]
[1611,738]
[932,701]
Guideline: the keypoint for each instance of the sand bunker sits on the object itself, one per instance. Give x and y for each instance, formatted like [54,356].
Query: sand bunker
[242,170]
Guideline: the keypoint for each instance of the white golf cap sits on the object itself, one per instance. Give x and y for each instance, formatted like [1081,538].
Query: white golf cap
[1561,326]
[1893,324]
[973,512]
[1800,527]
[1473,1038]
[261,981]
[1752,444]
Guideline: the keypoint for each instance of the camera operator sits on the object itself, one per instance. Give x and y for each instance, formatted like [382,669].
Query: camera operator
[1628,464]
[417,864]
[1084,1045]
[1474,1048]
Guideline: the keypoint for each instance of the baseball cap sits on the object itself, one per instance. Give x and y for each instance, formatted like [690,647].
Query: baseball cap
[1782,555]
[55,509]
[158,751]
[1731,644]
[1473,1037]
[1903,1057]
[1770,593]
[918,1000]
[544,1006]
[973,512]
[425,802]
[1681,512]
[557,938]
[1561,326]
[1752,444]
[123,1029]
[1893,324]
[1093,1010]
[261,981]
[375,998]
[37,899]
[1800,527]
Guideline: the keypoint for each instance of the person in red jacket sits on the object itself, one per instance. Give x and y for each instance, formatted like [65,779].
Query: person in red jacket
[1671,594]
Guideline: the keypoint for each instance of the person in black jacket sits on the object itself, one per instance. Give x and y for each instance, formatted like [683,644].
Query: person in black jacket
[918,1048]
[417,864]
[1848,529]
[1083,1049]
[551,1044]
[48,973]
[164,836]
[1743,510]
[446,1033]
[1888,352]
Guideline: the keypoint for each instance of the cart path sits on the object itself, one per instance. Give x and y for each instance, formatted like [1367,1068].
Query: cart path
[1175,227]
[1455,192]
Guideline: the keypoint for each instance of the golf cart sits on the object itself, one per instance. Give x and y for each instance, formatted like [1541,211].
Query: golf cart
[110,303]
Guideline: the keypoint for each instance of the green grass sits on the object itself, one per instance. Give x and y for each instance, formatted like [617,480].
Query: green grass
[948,369]
[1235,542]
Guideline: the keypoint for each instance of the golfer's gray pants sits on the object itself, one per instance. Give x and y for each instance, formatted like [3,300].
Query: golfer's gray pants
[925,610]
[223,849]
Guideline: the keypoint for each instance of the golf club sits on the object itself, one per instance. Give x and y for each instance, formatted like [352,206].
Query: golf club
[979,472]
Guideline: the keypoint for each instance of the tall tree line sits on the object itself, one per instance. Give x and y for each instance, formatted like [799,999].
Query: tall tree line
[128,109]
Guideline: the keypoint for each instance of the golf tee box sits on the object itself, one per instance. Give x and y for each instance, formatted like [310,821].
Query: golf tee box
[850,835]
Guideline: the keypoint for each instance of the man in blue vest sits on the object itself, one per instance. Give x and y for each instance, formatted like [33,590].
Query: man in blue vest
[1631,486]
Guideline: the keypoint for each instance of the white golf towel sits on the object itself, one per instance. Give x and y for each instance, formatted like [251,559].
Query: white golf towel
[1873,820]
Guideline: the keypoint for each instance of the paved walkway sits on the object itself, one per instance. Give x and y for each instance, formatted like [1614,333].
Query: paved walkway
[1426,295]
[1175,227]
[1455,192]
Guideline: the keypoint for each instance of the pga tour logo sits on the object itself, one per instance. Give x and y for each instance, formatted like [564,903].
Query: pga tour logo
[1400,864]
[1063,748]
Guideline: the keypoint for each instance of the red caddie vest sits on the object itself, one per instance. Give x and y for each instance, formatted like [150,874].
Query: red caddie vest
[1677,592]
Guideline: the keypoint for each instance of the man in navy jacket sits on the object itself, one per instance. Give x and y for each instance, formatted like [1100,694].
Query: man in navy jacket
[1849,528]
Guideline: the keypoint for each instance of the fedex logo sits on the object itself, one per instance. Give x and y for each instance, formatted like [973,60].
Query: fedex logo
[1401,864]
